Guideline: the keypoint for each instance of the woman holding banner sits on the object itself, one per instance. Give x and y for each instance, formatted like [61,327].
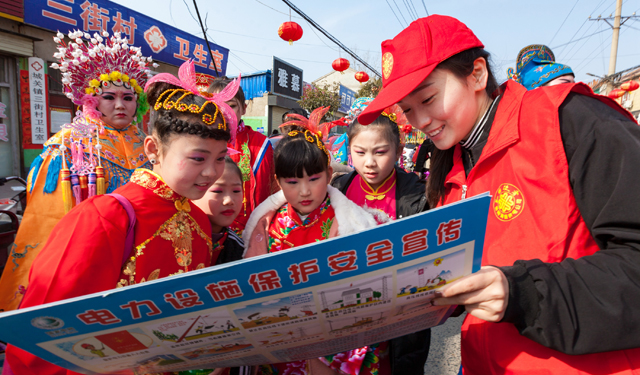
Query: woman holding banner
[562,250]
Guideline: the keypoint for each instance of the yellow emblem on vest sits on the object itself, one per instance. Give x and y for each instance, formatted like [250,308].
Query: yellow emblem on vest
[508,202]
[387,64]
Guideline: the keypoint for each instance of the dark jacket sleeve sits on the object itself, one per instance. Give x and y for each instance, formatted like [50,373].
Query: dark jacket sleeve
[233,248]
[590,304]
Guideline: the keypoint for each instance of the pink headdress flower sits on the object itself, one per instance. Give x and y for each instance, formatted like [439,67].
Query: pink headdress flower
[313,128]
[313,122]
[187,80]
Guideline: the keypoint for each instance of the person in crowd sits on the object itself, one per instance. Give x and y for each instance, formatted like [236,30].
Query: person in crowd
[307,210]
[95,155]
[169,235]
[379,184]
[559,287]
[255,159]
[222,203]
[536,66]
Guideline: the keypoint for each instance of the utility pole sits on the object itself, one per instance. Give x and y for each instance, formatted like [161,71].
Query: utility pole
[617,22]
[614,40]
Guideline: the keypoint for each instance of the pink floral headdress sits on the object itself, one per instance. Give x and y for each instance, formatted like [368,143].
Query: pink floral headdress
[187,80]
[98,63]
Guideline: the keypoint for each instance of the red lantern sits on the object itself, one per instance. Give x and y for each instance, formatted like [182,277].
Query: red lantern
[615,94]
[362,77]
[290,31]
[630,86]
[340,65]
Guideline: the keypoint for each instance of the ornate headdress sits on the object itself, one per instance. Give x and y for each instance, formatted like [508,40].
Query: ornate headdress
[187,85]
[88,67]
[535,66]
[314,132]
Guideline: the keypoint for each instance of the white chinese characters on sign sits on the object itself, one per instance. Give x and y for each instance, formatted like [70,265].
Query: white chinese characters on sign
[38,101]
[282,78]
[295,82]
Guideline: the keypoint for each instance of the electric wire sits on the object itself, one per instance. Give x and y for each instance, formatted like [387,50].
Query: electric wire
[406,5]
[331,37]
[213,61]
[565,20]
[402,15]
[394,13]
[413,6]
[425,8]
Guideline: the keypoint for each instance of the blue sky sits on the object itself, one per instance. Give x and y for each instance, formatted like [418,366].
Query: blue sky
[249,29]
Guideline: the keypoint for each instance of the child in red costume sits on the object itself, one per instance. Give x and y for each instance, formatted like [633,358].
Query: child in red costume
[307,210]
[255,159]
[171,235]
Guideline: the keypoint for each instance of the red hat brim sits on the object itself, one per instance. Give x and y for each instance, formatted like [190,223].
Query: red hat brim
[394,92]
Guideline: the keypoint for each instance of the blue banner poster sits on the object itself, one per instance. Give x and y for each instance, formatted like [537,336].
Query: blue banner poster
[302,303]
[157,39]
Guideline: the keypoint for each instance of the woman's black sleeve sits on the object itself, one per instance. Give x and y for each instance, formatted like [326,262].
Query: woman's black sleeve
[590,304]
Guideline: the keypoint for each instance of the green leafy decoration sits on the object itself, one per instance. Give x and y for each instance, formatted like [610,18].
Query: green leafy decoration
[326,227]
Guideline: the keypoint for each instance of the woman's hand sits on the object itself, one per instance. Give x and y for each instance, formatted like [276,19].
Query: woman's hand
[485,294]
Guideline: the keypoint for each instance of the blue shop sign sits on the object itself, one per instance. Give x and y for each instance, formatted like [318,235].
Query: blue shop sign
[157,39]
[347,97]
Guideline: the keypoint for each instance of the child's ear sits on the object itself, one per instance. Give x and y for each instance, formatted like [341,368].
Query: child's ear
[278,182]
[152,148]
[399,151]
[329,172]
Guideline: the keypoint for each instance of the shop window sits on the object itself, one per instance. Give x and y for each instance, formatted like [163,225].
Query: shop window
[55,81]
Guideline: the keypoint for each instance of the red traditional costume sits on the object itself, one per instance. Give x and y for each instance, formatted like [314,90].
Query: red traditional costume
[383,198]
[256,163]
[171,237]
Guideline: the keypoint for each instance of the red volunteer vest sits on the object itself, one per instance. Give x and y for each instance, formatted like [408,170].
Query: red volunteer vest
[533,215]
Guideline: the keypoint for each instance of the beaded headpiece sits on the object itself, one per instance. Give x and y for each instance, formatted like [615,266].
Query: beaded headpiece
[314,132]
[535,66]
[91,66]
[187,85]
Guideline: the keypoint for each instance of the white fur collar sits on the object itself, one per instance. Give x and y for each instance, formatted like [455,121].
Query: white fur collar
[351,217]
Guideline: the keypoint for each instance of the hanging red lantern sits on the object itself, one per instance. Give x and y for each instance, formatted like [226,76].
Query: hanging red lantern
[362,77]
[340,65]
[290,32]
[615,94]
[630,86]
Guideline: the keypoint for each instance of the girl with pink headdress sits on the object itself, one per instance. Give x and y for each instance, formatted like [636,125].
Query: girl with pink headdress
[148,228]
[307,210]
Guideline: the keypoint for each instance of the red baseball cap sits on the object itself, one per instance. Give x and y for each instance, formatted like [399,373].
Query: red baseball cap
[412,55]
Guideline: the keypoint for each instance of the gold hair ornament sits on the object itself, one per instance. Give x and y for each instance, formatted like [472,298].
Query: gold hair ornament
[313,138]
[392,116]
[168,104]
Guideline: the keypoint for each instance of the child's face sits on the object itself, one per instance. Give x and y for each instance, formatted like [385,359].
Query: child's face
[373,156]
[189,164]
[239,108]
[223,201]
[307,193]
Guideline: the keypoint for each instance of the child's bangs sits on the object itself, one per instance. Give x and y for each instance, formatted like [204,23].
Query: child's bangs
[295,156]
